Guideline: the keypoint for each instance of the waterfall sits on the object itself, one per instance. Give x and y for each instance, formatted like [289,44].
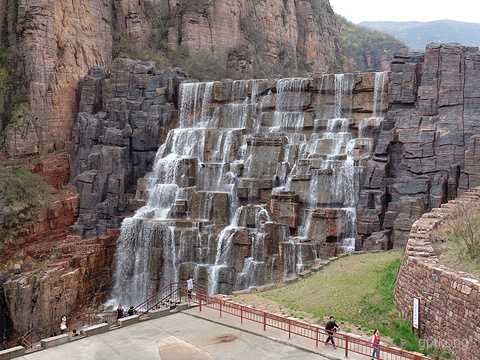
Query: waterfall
[194,98]
[223,257]
[293,258]
[238,146]
[378,93]
[133,258]
[381,79]
[343,89]
[289,105]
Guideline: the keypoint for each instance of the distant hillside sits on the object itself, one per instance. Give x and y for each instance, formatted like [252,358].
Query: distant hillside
[366,49]
[418,34]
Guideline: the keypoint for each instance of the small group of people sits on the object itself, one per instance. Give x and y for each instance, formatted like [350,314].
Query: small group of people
[332,327]
[131,311]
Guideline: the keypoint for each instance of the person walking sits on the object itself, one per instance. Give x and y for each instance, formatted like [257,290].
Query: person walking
[190,286]
[375,344]
[331,327]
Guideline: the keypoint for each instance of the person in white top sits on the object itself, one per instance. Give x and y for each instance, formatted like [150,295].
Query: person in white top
[190,285]
[63,324]
[375,344]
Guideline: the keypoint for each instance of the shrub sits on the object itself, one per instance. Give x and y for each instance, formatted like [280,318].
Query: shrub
[22,196]
[464,226]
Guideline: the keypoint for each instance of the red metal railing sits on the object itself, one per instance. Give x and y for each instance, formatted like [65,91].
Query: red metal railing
[294,327]
[89,319]
[176,292]
[44,331]
[166,297]
[35,334]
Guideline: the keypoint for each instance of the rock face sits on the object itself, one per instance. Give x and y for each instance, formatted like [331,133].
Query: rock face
[69,286]
[54,43]
[54,273]
[282,34]
[124,115]
[426,153]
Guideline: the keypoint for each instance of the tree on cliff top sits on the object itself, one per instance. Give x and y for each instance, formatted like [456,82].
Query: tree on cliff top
[365,49]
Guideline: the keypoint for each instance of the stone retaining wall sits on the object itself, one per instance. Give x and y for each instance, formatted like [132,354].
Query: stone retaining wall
[449,299]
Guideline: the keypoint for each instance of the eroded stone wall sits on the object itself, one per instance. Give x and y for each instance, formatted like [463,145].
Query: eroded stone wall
[51,273]
[124,117]
[76,281]
[449,299]
[426,153]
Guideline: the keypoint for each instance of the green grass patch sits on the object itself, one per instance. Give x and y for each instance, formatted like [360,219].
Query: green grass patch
[356,290]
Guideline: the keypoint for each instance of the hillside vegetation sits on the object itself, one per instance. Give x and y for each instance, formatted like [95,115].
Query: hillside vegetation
[357,290]
[22,196]
[417,35]
[366,49]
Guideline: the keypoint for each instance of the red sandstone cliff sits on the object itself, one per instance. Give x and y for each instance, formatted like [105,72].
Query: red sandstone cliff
[269,37]
[54,43]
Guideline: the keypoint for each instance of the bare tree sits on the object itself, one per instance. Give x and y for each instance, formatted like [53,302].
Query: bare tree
[464,225]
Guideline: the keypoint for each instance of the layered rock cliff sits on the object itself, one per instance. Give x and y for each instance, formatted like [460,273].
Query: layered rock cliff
[427,151]
[263,38]
[124,117]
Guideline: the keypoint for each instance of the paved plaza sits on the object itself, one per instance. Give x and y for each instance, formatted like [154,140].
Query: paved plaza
[178,336]
[193,335]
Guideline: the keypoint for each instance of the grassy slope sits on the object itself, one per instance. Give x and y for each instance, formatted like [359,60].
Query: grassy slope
[357,290]
[336,289]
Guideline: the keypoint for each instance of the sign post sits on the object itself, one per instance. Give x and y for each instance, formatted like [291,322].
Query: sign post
[416,316]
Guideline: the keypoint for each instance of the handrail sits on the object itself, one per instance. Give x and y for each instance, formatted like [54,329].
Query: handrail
[166,299]
[92,318]
[177,291]
[162,295]
[300,328]
[35,334]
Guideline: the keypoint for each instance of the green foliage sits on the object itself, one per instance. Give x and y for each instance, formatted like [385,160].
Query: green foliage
[5,81]
[357,290]
[10,92]
[22,196]
[366,46]
[378,311]
[205,66]
[5,77]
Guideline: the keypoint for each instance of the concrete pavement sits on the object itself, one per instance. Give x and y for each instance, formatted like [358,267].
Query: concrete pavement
[175,337]
[195,335]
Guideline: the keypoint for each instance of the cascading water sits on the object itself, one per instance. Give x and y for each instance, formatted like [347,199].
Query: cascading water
[210,197]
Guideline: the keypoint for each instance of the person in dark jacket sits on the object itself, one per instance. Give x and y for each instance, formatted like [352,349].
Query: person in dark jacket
[331,327]
[131,311]
[119,312]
